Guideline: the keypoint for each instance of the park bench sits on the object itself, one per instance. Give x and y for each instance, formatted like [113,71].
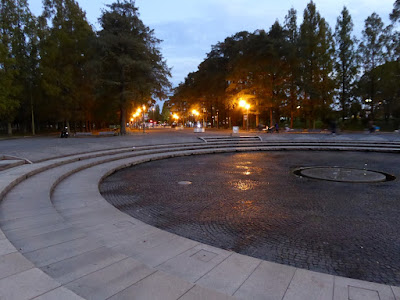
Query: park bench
[107,133]
[83,134]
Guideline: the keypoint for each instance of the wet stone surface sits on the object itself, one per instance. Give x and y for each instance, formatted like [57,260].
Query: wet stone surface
[253,204]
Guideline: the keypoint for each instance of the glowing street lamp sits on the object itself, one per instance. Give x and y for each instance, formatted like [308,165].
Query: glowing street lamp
[244,104]
[195,113]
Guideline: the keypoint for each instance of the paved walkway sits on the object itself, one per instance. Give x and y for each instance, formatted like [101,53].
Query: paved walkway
[60,239]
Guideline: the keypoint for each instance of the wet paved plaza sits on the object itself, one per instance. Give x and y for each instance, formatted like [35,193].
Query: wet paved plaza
[253,204]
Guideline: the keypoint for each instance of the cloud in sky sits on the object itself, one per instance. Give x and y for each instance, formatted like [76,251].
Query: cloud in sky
[189,28]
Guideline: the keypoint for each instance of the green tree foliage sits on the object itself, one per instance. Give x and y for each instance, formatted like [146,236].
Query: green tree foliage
[387,91]
[371,53]
[156,113]
[66,49]
[132,67]
[15,19]
[292,84]
[395,15]
[165,114]
[316,50]
[346,62]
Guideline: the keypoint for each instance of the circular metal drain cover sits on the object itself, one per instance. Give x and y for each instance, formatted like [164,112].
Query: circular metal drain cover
[184,182]
[340,174]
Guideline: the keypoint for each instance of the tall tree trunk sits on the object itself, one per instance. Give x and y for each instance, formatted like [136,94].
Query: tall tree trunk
[122,111]
[291,118]
[32,115]
[9,128]
[257,112]
[122,108]
[270,117]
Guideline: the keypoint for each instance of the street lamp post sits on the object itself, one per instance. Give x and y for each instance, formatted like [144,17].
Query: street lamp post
[243,103]
[247,108]
[144,125]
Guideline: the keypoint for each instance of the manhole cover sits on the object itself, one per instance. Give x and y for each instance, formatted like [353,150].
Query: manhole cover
[184,182]
[344,174]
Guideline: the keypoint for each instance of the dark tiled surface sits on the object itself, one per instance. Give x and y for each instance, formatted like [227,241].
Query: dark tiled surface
[252,203]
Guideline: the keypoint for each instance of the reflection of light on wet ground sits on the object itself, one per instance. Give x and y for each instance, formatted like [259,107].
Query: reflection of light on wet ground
[243,185]
[242,167]
[244,207]
[247,170]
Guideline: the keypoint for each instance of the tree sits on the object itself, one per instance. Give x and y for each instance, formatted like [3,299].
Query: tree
[66,49]
[395,15]
[392,38]
[371,53]
[29,76]
[165,113]
[14,17]
[278,69]
[316,49]
[325,54]
[346,62]
[156,113]
[292,85]
[132,67]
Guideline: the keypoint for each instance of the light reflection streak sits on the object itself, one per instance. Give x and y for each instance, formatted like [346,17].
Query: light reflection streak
[244,185]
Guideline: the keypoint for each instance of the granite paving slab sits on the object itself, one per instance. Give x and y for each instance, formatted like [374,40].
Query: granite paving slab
[195,263]
[107,282]
[75,267]
[144,243]
[10,163]
[13,263]
[23,233]
[30,222]
[357,289]
[269,281]
[156,256]
[308,285]
[45,240]
[156,286]
[200,293]
[228,276]
[6,247]
[396,292]
[26,285]
[62,251]
[60,293]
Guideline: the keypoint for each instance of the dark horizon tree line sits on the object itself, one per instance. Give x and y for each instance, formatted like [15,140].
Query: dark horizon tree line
[306,72]
[55,70]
